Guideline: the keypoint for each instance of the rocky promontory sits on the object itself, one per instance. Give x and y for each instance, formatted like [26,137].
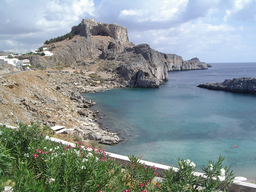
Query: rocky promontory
[241,85]
[107,47]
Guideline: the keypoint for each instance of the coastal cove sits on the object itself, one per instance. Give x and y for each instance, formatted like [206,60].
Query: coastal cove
[181,120]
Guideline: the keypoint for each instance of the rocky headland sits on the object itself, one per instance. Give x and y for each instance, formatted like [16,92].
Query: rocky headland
[241,85]
[108,47]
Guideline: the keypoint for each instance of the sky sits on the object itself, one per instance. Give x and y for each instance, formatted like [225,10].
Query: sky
[212,30]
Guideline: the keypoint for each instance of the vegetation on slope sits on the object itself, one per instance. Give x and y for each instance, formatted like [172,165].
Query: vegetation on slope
[60,38]
[31,162]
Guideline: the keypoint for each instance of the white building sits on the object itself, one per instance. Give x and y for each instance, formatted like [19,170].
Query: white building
[12,61]
[26,62]
[48,53]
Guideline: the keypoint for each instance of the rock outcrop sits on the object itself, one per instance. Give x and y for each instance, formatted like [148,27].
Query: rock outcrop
[241,85]
[89,28]
[99,43]
[141,66]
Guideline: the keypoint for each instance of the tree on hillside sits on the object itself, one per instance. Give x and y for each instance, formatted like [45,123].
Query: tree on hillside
[60,38]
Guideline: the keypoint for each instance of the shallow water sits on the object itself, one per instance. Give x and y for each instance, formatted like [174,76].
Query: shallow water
[181,120]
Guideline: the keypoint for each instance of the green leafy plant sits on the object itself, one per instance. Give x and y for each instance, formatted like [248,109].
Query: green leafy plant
[215,172]
[29,161]
[215,177]
[5,161]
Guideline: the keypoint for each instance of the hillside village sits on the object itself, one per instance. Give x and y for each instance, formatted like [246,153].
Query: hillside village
[17,62]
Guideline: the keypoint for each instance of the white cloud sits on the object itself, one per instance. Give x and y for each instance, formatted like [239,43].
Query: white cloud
[239,4]
[80,6]
[221,27]
[131,12]
[228,12]
[39,20]
[147,11]
[192,39]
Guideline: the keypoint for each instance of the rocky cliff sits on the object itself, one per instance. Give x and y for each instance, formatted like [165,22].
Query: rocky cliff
[89,28]
[241,85]
[105,45]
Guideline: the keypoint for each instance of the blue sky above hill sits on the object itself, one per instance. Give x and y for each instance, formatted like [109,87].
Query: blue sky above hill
[212,30]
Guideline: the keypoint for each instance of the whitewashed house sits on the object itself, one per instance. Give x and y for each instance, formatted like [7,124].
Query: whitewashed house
[25,62]
[48,53]
[12,61]
[3,57]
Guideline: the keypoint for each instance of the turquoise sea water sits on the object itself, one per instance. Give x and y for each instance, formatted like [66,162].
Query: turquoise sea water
[181,120]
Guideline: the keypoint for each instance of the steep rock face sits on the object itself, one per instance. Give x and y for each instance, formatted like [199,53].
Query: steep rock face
[88,28]
[241,85]
[141,66]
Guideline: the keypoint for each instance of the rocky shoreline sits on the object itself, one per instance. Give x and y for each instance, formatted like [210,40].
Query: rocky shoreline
[91,129]
[240,85]
[54,100]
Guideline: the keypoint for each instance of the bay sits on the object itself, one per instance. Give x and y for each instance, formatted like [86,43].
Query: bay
[180,120]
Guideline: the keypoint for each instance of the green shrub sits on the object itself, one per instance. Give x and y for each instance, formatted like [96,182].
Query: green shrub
[60,38]
[96,77]
[5,161]
[31,162]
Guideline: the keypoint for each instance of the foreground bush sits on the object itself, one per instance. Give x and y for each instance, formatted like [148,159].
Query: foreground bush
[30,162]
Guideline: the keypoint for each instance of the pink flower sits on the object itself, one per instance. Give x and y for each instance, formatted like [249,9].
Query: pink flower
[144,191]
[141,185]
[35,155]
[38,150]
[126,190]
[79,143]
[154,168]
[157,184]
[156,174]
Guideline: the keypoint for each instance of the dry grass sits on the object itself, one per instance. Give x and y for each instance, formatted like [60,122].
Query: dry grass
[24,86]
